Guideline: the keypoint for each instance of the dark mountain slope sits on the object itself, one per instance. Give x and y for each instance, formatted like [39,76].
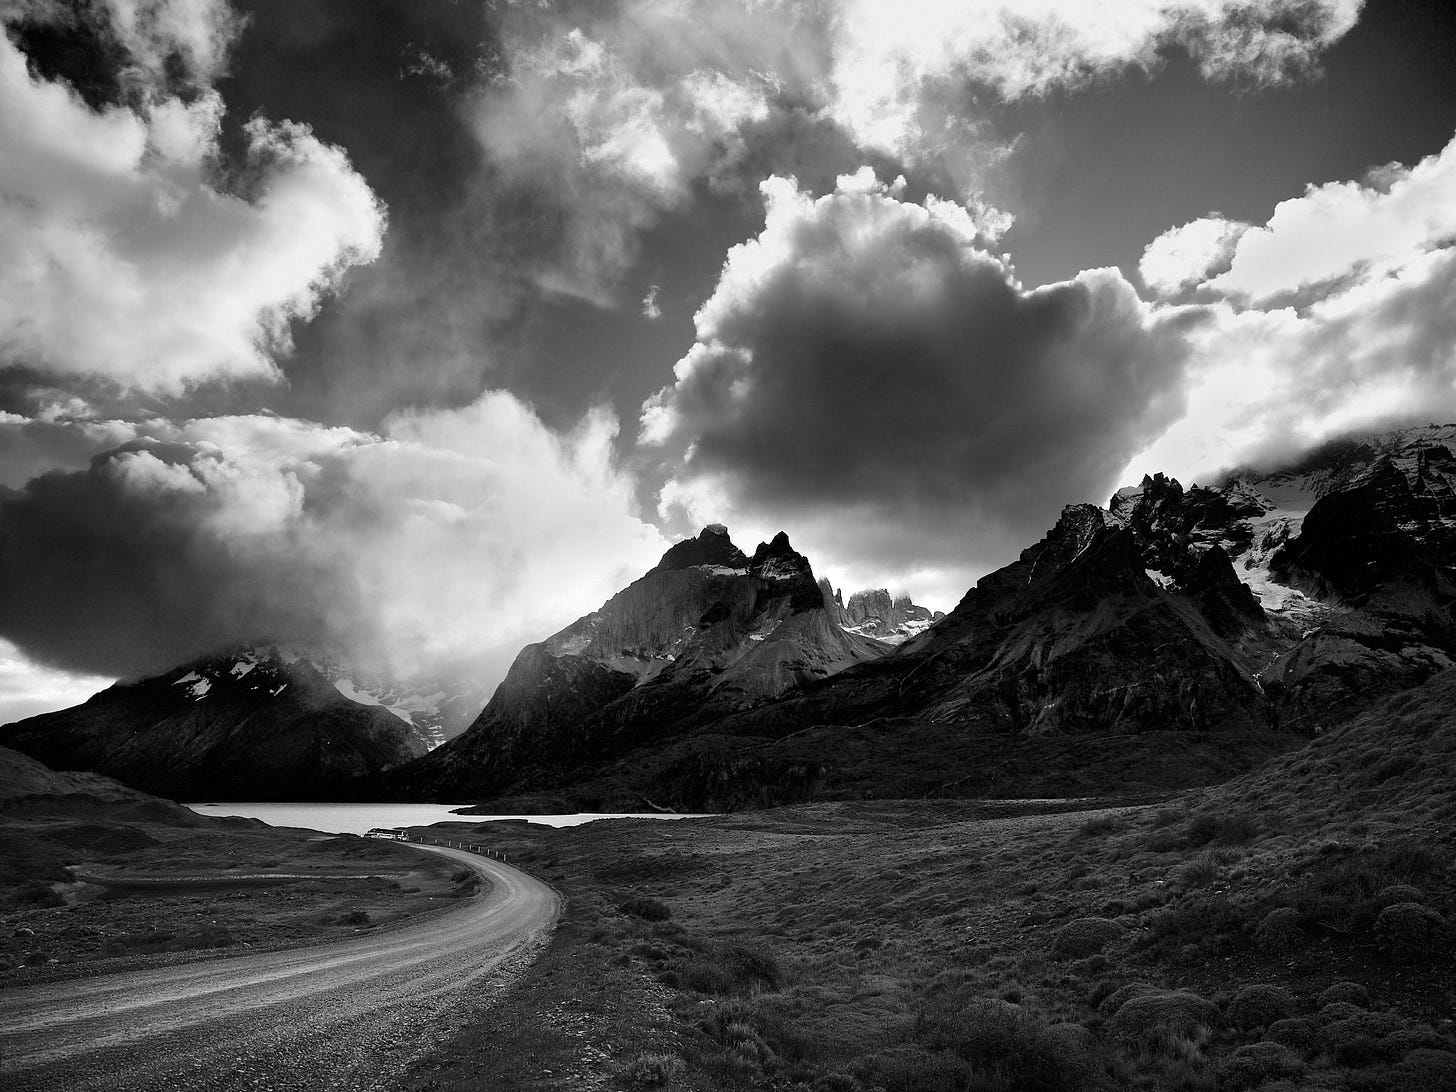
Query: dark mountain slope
[708,632]
[1073,640]
[243,726]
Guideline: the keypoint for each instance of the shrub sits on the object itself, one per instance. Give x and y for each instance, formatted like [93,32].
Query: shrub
[1084,936]
[731,968]
[1278,932]
[1408,929]
[1102,824]
[1199,872]
[911,1068]
[646,909]
[1256,1063]
[1351,993]
[1361,1032]
[1427,1071]
[1180,1012]
[1338,1010]
[1416,1037]
[1120,996]
[353,917]
[1298,1035]
[1258,1006]
[1004,1047]
[1202,924]
[652,1070]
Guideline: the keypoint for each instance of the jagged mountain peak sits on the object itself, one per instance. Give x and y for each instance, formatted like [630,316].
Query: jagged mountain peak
[711,546]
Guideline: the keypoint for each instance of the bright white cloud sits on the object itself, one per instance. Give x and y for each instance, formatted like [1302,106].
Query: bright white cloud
[1345,228]
[122,257]
[28,688]
[894,64]
[1188,255]
[445,535]
[611,113]
[1340,315]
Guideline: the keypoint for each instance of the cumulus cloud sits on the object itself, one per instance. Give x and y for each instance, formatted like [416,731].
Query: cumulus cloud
[1189,255]
[868,374]
[1338,314]
[446,534]
[1341,229]
[128,255]
[613,112]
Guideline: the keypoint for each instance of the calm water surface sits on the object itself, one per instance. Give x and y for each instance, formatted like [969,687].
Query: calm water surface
[358,818]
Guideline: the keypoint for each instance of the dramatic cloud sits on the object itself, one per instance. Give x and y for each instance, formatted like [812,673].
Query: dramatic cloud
[1189,255]
[128,255]
[449,534]
[897,66]
[1342,229]
[613,112]
[27,688]
[1340,315]
[868,375]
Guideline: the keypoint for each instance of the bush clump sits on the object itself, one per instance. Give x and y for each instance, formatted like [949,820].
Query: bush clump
[1256,1063]
[646,909]
[1408,929]
[729,969]
[995,1044]
[1278,932]
[1258,1006]
[1297,1034]
[1120,996]
[1180,1012]
[1351,993]
[1426,1070]
[652,1070]
[1085,936]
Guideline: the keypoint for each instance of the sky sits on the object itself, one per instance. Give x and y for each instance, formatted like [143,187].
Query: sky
[412,329]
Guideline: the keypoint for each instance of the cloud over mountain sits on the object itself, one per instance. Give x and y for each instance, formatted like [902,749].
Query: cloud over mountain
[449,533]
[865,367]
[1334,315]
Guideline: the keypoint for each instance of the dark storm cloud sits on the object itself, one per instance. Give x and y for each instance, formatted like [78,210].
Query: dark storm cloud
[129,566]
[865,363]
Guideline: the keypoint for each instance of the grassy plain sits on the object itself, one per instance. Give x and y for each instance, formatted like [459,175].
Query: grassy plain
[1289,930]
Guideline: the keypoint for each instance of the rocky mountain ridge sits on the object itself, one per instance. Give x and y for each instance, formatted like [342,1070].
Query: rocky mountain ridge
[873,612]
[708,631]
[1176,635]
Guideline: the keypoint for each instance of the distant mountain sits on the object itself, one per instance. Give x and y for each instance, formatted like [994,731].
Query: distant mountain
[1351,554]
[437,706]
[873,612]
[707,632]
[1177,636]
[251,724]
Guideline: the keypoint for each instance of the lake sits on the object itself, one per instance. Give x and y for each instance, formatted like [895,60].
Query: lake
[358,818]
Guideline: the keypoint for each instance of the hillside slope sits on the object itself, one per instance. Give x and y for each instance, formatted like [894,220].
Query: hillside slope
[249,725]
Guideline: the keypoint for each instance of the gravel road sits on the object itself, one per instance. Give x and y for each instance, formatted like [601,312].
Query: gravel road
[350,1015]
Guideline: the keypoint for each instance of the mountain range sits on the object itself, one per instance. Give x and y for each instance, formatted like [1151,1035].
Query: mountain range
[1175,636]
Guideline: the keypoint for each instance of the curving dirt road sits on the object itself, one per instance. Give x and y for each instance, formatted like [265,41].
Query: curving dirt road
[347,1016]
